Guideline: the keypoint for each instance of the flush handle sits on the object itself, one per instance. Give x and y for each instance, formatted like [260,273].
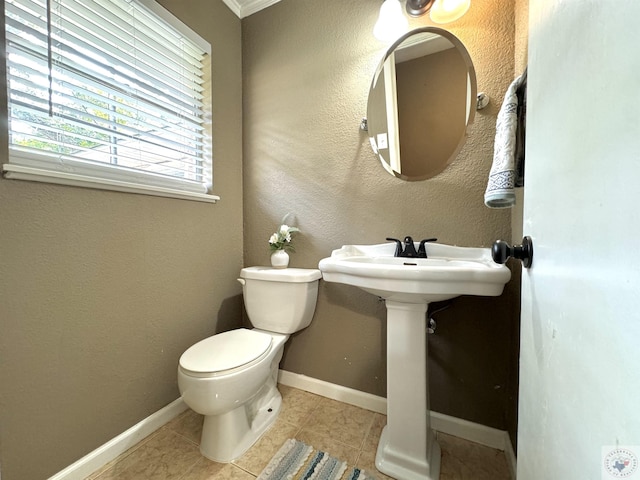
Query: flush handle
[502,251]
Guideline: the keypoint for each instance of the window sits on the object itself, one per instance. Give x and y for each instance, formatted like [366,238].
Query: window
[108,94]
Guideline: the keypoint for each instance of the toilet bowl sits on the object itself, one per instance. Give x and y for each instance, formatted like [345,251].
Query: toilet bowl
[231,377]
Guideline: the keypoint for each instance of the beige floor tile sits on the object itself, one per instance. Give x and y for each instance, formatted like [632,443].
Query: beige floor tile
[128,452]
[461,460]
[208,470]
[464,460]
[164,457]
[343,431]
[297,405]
[367,462]
[326,443]
[258,456]
[188,424]
[344,423]
[373,436]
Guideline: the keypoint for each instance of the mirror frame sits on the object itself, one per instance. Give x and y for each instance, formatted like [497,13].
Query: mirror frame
[472,93]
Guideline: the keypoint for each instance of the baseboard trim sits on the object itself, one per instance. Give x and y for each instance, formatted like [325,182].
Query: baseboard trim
[475,432]
[120,444]
[333,391]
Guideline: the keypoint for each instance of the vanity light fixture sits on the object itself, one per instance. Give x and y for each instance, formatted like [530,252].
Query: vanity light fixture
[391,22]
[441,11]
[417,8]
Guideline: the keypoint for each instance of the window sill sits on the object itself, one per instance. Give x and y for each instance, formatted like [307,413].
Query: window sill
[19,172]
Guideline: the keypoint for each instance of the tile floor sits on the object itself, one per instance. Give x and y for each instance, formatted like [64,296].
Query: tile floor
[344,431]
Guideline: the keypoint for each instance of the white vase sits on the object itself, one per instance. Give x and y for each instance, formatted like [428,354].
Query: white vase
[280,259]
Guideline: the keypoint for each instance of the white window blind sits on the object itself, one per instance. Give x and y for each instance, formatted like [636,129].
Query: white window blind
[107,92]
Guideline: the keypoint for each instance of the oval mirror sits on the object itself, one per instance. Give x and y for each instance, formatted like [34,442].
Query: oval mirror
[422,98]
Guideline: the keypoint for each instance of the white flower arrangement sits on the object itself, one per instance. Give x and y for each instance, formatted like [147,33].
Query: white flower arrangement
[281,240]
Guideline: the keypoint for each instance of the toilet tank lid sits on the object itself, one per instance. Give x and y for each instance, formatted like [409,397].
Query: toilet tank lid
[294,275]
[225,351]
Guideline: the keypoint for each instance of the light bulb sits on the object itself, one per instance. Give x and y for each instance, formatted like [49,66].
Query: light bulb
[391,23]
[445,11]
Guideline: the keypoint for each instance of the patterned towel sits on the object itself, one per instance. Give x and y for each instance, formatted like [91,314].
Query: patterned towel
[504,171]
[298,461]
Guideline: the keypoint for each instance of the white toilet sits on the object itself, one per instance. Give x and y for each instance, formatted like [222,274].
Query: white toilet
[230,378]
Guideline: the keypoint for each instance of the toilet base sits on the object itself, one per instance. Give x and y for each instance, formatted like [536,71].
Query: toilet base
[227,437]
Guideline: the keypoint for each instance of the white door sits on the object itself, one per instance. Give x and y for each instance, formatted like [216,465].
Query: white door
[580,340]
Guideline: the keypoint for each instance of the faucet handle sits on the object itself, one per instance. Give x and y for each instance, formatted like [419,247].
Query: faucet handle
[398,246]
[422,249]
[422,242]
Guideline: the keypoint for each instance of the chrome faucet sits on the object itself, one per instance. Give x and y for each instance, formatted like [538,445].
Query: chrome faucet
[409,249]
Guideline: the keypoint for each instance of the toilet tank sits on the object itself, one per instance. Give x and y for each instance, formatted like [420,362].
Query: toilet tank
[280,300]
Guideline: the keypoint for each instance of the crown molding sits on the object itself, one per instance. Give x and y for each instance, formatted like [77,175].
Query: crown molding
[244,8]
[234,6]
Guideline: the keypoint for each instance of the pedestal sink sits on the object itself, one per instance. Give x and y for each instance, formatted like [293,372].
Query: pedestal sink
[408,449]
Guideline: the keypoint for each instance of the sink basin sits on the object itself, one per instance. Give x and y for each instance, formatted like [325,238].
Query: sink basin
[408,449]
[448,271]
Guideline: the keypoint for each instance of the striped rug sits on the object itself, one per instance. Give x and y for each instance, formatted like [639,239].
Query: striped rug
[298,461]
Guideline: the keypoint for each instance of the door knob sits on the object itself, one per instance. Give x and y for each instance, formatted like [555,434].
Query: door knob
[501,251]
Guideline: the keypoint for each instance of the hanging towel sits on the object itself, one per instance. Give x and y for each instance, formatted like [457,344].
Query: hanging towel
[508,153]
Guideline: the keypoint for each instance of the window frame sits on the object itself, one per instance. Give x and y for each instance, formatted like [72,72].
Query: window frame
[39,168]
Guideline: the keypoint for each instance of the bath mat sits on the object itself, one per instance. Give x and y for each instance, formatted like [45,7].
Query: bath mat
[298,461]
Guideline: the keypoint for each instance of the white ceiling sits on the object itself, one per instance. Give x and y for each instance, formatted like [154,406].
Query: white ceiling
[244,8]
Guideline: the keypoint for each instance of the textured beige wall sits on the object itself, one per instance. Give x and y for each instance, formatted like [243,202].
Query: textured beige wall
[307,68]
[101,292]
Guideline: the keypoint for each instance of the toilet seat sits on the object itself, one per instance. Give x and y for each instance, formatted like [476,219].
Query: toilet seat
[225,353]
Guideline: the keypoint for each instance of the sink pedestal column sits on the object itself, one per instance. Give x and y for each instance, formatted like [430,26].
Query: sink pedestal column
[408,449]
